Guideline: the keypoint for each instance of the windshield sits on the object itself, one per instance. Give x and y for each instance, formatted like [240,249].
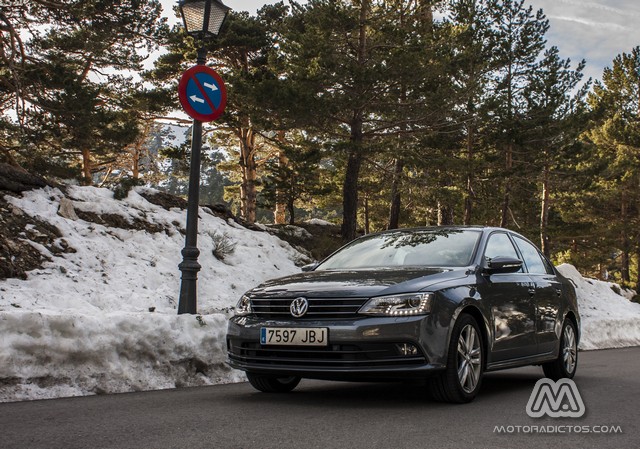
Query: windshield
[435,248]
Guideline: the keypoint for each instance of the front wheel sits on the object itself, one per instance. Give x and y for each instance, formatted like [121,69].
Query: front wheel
[460,381]
[565,365]
[272,384]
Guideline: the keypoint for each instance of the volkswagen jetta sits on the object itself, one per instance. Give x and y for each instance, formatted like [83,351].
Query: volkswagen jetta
[444,304]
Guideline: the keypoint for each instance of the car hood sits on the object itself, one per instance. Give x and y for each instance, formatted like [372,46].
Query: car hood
[356,283]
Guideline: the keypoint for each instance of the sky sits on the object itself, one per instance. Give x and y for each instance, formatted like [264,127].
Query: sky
[594,30]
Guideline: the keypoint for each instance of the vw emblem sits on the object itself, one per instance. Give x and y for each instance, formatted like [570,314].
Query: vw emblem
[299,307]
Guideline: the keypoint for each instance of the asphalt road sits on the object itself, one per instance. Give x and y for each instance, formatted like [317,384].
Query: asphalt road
[335,415]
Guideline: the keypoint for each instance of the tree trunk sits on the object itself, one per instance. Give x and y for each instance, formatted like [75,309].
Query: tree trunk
[507,187]
[509,149]
[426,20]
[86,167]
[637,217]
[248,166]
[544,212]
[279,215]
[350,194]
[350,188]
[367,224]
[292,210]
[135,169]
[468,199]
[445,214]
[394,209]
[637,263]
[624,238]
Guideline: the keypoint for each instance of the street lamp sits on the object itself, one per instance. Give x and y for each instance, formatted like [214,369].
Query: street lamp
[202,20]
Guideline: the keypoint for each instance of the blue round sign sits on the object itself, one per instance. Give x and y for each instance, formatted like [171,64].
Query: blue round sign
[202,93]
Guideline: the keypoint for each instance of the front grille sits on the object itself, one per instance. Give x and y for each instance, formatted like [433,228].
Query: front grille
[318,307]
[369,355]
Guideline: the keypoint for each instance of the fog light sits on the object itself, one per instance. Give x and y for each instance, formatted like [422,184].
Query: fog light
[407,349]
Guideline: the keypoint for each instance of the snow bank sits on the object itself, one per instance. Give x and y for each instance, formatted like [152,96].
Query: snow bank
[609,319]
[51,354]
[103,319]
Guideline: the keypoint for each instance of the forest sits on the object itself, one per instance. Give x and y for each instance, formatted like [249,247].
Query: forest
[371,114]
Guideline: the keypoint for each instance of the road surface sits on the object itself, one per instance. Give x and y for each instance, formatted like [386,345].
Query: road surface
[337,415]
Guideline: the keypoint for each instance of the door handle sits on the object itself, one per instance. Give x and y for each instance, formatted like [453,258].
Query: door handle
[532,291]
[559,291]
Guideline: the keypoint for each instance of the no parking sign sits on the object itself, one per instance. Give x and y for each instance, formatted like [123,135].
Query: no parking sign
[202,93]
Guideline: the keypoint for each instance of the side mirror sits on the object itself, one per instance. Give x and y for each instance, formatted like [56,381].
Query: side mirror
[310,267]
[503,264]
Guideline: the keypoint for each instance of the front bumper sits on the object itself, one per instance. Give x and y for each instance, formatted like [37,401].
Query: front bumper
[358,349]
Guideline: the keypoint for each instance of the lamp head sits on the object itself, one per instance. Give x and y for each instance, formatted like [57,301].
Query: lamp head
[203,18]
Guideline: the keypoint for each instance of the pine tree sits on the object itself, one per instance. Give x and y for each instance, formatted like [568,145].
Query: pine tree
[517,42]
[56,84]
[355,73]
[616,135]
[554,120]
[293,177]
[472,62]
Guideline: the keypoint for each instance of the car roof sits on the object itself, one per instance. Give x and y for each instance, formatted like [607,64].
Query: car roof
[486,230]
[446,228]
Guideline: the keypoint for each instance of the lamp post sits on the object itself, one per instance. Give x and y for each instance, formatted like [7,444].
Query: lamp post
[202,20]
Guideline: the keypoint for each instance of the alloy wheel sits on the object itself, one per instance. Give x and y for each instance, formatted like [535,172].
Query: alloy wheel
[469,358]
[569,349]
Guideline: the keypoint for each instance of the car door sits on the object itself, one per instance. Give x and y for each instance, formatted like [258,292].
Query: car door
[548,291]
[508,297]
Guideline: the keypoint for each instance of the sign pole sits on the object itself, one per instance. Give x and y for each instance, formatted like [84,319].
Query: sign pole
[189,265]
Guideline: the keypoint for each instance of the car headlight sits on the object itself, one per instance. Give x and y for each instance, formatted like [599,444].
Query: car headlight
[243,308]
[399,305]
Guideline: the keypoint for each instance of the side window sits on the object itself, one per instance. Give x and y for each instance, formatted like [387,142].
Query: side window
[532,258]
[499,244]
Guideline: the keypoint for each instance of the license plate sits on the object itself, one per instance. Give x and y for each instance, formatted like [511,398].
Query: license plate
[294,336]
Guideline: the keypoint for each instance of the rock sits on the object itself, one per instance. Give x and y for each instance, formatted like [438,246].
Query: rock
[163,199]
[66,209]
[15,179]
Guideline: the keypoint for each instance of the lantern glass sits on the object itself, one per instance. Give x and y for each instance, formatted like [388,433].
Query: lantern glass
[203,17]
[217,14]
[193,15]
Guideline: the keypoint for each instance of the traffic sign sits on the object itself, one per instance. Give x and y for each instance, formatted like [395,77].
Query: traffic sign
[202,93]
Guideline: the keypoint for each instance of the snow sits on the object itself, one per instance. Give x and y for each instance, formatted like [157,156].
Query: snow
[295,231]
[70,354]
[609,319]
[118,269]
[103,319]
[319,222]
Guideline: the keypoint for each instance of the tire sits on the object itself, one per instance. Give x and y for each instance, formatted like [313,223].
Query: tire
[462,378]
[272,384]
[566,364]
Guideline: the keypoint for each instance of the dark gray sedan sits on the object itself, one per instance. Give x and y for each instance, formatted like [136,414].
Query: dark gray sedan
[444,304]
